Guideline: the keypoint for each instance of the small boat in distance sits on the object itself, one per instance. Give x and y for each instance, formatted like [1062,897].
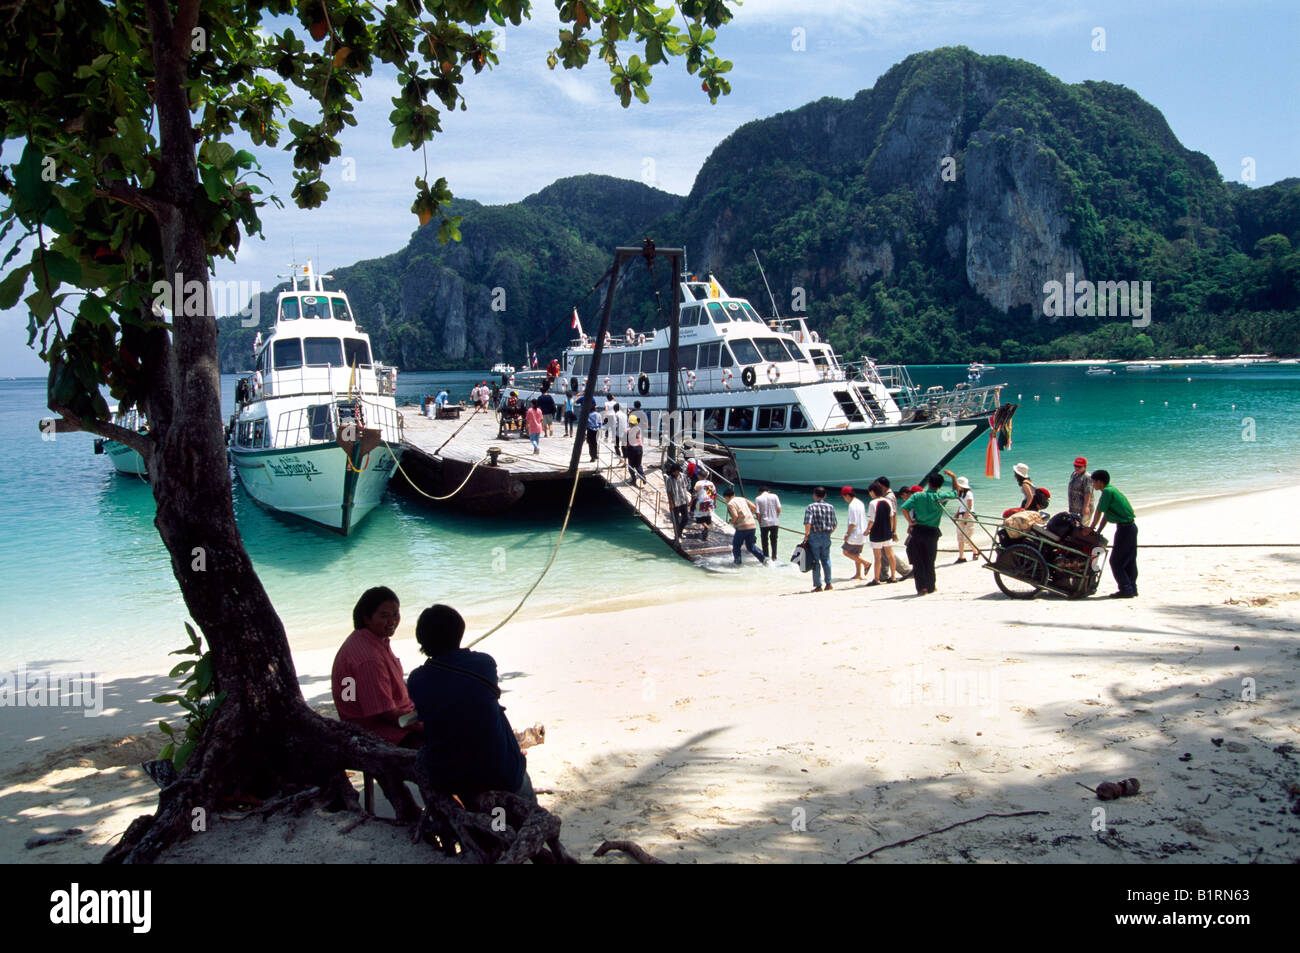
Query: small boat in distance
[1144,366]
[316,433]
[975,372]
[503,369]
[124,459]
[1096,371]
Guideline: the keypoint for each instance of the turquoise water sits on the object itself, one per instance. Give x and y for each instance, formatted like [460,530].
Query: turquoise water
[88,584]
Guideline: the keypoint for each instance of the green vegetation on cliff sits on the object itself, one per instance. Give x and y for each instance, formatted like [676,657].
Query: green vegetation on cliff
[918,221]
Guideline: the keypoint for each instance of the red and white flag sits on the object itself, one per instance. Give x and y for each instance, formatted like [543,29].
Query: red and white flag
[575,323]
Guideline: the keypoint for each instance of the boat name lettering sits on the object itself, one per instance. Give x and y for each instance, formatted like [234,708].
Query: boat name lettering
[290,468]
[835,445]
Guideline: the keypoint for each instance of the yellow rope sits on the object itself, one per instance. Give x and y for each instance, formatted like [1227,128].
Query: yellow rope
[573,492]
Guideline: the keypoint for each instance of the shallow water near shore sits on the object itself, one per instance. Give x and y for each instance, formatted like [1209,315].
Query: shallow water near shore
[88,585]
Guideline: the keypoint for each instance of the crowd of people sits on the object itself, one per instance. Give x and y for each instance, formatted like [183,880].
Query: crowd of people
[871,534]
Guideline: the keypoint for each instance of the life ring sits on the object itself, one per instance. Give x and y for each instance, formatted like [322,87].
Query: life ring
[726,378]
[640,339]
[773,373]
[606,385]
[748,376]
[511,382]
[816,337]
[643,385]
[257,383]
[586,342]
[690,380]
[631,383]
[606,339]
[630,336]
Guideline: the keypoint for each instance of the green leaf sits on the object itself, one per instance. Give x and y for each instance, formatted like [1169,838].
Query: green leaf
[167,699]
[167,752]
[181,668]
[166,729]
[11,288]
[203,675]
[183,754]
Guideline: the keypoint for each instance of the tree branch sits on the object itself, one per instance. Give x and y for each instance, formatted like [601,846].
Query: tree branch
[134,197]
[187,17]
[141,443]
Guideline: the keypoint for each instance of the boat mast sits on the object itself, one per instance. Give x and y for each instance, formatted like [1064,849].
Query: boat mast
[776,312]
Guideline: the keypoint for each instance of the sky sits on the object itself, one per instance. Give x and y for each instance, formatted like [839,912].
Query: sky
[1225,75]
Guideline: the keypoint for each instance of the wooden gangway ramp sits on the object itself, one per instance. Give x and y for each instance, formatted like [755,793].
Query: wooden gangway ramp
[449,458]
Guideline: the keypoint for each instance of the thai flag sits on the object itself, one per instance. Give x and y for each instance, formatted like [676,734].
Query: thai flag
[534,360]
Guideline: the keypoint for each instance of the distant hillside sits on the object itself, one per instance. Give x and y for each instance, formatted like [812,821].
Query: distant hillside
[432,306]
[921,219]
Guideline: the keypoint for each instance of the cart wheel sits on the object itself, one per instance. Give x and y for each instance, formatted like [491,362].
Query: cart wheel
[1019,571]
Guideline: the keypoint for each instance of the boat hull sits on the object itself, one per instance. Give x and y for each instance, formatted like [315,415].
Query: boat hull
[124,459]
[316,482]
[904,453]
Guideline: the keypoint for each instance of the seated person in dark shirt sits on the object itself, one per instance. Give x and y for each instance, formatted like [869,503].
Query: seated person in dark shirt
[469,746]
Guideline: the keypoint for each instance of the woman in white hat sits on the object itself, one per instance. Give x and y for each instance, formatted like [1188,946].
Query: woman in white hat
[1021,470]
[965,519]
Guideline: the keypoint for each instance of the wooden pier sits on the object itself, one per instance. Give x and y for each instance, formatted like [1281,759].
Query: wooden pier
[450,458]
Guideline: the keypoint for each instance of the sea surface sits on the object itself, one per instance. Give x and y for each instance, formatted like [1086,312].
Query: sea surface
[88,587]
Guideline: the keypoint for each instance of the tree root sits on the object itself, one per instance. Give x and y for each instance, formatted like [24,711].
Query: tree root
[307,762]
[637,853]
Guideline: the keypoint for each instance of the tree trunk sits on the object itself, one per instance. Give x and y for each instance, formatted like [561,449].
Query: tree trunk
[263,738]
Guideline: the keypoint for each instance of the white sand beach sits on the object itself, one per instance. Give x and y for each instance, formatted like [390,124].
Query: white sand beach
[789,726]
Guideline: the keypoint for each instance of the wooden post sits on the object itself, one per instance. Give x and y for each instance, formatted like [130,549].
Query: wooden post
[589,392]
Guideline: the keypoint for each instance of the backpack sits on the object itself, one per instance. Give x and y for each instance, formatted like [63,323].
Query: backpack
[802,558]
[1062,525]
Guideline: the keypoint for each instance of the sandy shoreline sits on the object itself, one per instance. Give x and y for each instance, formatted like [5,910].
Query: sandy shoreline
[772,724]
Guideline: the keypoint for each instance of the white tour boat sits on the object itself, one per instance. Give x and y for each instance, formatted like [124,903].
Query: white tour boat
[124,459]
[778,397]
[1144,366]
[1096,371]
[316,432]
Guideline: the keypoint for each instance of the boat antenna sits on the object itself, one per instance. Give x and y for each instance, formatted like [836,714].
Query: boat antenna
[775,311]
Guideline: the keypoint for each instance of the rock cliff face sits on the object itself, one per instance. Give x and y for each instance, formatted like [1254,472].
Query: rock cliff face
[919,220]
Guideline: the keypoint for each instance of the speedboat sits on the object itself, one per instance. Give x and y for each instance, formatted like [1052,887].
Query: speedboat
[975,372]
[316,433]
[1097,371]
[778,397]
[123,458]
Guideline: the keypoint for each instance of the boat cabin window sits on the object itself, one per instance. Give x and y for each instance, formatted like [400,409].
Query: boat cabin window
[718,313]
[323,352]
[848,405]
[819,358]
[581,364]
[797,419]
[632,362]
[356,351]
[772,349]
[341,312]
[752,314]
[614,364]
[264,360]
[686,356]
[708,355]
[771,418]
[288,354]
[690,317]
[289,309]
[713,417]
[734,311]
[740,418]
[252,433]
[318,419]
[315,307]
[745,351]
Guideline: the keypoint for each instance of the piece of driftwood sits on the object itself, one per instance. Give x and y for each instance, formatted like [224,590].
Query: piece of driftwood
[41,840]
[639,854]
[909,840]
[534,735]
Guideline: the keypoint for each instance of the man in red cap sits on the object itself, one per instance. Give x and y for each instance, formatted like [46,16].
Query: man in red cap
[1079,496]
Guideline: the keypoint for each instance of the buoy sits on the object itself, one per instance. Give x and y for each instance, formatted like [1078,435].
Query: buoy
[1035,397]
[1057,397]
[1234,406]
[1189,380]
[1193,406]
[1141,401]
[1020,396]
[1166,403]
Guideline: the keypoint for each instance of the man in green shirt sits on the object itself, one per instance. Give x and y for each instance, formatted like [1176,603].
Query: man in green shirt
[1114,506]
[927,511]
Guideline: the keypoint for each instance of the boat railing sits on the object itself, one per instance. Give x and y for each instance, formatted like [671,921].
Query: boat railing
[321,423]
[960,403]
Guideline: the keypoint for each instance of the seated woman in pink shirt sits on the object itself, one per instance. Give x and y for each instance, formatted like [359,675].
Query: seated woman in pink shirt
[535,426]
[369,689]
